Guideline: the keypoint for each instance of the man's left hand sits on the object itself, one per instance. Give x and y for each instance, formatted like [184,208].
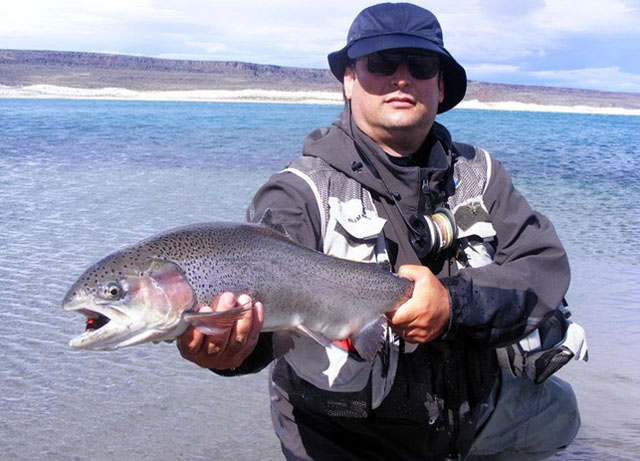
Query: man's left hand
[425,316]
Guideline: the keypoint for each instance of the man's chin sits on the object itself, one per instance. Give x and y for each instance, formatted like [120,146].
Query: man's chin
[400,124]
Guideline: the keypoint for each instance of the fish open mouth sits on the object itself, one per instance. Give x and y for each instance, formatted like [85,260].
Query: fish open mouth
[95,321]
[100,326]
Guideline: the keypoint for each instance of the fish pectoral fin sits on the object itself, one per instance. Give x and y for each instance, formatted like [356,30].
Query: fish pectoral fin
[317,337]
[282,343]
[211,323]
[370,340]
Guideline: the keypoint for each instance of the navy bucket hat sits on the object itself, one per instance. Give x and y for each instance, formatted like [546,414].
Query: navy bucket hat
[400,25]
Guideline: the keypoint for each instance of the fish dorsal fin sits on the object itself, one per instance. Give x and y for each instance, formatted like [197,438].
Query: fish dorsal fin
[385,266]
[267,221]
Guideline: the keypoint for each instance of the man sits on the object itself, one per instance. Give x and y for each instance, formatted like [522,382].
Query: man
[384,184]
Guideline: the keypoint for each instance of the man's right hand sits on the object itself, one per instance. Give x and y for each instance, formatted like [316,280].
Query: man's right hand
[229,348]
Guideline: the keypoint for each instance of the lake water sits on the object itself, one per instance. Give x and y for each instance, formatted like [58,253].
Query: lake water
[80,179]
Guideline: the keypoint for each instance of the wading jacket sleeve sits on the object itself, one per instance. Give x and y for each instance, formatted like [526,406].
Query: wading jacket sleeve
[504,301]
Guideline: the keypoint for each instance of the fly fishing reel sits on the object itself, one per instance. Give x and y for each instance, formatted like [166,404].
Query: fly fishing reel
[430,235]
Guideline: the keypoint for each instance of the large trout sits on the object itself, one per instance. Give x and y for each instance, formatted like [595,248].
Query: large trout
[152,291]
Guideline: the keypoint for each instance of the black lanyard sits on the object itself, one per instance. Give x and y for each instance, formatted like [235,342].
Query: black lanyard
[424,234]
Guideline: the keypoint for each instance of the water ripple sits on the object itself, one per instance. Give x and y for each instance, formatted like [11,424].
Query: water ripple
[81,179]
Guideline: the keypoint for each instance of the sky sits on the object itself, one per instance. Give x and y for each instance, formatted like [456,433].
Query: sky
[591,44]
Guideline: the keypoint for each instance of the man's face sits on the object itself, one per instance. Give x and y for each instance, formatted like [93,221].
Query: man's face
[394,107]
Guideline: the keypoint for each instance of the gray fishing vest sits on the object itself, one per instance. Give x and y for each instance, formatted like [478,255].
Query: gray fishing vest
[352,229]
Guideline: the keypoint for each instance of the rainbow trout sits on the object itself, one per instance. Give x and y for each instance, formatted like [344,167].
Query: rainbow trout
[152,291]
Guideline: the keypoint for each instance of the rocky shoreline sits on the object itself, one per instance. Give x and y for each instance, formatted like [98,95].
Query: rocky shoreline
[143,77]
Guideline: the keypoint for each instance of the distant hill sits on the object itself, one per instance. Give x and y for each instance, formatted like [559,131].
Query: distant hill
[97,70]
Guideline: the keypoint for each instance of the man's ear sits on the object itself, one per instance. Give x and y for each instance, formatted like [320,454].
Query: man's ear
[348,82]
[440,86]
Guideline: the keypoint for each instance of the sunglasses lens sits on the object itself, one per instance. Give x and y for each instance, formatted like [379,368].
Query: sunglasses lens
[385,63]
[423,67]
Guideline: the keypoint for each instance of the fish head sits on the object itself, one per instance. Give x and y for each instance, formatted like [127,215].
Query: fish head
[129,299]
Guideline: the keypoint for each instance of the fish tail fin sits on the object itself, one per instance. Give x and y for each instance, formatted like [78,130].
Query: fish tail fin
[370,340]
[211,323]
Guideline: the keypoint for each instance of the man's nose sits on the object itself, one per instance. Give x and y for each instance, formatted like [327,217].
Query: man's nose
[402,77]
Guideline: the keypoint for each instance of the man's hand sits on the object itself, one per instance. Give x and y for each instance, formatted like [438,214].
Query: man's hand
[425,316]
[229,348]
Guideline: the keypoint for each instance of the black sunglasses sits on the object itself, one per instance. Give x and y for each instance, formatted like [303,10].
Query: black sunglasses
[421,66]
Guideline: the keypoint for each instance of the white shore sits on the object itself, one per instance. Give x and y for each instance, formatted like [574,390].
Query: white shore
[268,96]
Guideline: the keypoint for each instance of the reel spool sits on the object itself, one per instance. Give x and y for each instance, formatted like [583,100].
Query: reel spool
[429,235]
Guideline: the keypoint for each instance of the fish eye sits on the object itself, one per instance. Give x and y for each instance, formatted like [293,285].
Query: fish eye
[113,290]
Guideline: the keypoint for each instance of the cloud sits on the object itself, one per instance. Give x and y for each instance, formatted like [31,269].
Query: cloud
[503,31]
[499,31]
[69,17]
[605,78]
[208,47]
[601,78]
[493,39]
[595,16]
[508,8]
[488,69]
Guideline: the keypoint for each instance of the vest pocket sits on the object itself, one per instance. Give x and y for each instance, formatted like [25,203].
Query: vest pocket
[352,231]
